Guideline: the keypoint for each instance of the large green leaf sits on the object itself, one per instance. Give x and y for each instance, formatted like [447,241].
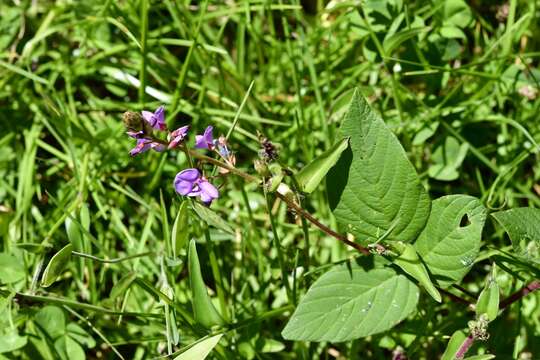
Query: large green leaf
[374,189]
[352,301]
[451,240]
[523,228]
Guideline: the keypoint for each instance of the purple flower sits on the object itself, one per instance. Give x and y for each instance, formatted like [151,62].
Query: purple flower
[144,145]
[205,141]
[156,119]
[177,136]
[190,182]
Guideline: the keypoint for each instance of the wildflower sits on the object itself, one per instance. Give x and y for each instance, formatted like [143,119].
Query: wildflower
[177,136]
[144,144]
[156,119]
[190,182]
[205,141]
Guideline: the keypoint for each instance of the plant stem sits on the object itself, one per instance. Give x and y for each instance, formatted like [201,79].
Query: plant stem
[465,346]
[29,299]
[324,228]
[527,289]
[277,245]
[110,261]
[290,203]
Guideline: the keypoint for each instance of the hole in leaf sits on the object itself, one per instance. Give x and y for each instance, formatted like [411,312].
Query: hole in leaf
[464,221]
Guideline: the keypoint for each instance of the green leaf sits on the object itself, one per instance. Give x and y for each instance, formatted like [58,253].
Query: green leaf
[80,335]
[56,265]
[11,341]
[351,301]
[451,240]
[523,227]
[447,159]
[427,131]
[409,262]
[452,32]
[204,311]
[454,344]
[312,174]
[488,300]
[180,230]
[211,218]
[52,320]
[122,285]
[69,349]
[74,234]
[393,41]
[12,269]
[201,349]
[457,12]
[374,189]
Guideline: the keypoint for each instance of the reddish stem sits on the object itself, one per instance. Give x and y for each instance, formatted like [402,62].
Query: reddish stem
[465,346]
[292,205]
[527,289]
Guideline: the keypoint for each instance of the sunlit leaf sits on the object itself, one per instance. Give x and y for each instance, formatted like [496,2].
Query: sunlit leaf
[451,240]
[312,174]
[12,269]
[204,311]
[523,228]
[201,349]
[56,265]
[352,301]
[374,189]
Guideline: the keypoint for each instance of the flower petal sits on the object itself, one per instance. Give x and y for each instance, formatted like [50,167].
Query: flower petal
[149,117]
[159,116]
[208,135]
[205,141]
[157,147]
[191,174]
[142,146]
[178,136]
[208,189]
[200,142]
[182,187]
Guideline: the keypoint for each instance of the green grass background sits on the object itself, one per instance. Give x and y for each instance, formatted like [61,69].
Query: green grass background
[468,81]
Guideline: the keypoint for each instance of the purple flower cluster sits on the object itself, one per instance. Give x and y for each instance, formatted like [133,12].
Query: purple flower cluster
[188,182]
